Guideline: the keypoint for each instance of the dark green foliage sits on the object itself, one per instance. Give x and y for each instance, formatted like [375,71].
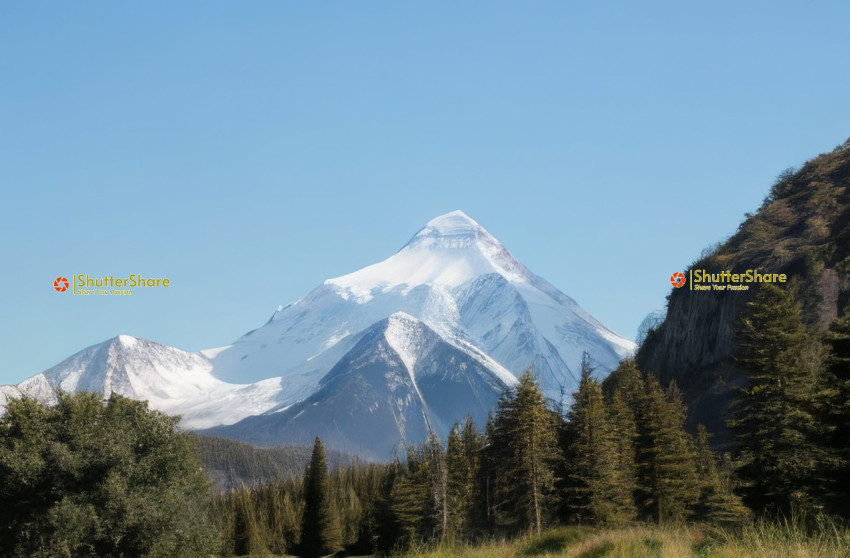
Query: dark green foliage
[627,455]
[358,496]
[491,454]
[383,532]
[600,490]
[718,504]
[74,484]
[627,380]
[669,483]
[463,464]
[92,478]
[419,495]
[774,418]
[656,455]
[525,455]
[624,434]
[319,527]
[837,412]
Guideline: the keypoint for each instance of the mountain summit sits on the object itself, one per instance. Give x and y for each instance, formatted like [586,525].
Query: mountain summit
[457,279]
[448,251]
[372,360]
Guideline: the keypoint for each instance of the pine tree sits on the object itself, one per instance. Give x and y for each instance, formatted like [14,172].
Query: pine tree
[491,455]
[319,529]
[669,482]
[418,499]
[774,418]
[625,393]
[624,432]
[837,411]
[595,492]
[437,479]
[525,444]
[242,525]
[626,380]
[718,503]
[463,456]
[386,531]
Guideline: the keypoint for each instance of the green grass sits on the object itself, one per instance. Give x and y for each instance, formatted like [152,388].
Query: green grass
[760,540]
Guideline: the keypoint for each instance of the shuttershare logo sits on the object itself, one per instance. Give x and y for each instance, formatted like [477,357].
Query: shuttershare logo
[677,279]
[84,284]
[703,280]
[60,284]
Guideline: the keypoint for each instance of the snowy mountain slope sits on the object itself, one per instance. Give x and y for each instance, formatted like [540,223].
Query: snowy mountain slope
[455,277]
[370,359]
[171,380]
[398,382]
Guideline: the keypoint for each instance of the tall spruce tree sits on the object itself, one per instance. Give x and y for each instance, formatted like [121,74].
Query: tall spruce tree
[491,456]
[624,433]
[774,418]
[437,479]
[718,503]
[418,499]
[525,437]
[320,534]
[596,492]
[385,530]
[463,457]
[837,411]
[669,481]
[625,393]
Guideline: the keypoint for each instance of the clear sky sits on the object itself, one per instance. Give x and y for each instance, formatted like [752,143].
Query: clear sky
[250,150]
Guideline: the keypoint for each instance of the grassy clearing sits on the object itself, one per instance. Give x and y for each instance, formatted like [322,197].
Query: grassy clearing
[762,540]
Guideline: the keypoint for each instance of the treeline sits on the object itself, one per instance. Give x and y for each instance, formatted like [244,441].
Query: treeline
[615,456]
[231,465]
[619,454]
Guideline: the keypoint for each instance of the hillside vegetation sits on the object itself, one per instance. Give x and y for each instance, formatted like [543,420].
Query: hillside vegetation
[803,230]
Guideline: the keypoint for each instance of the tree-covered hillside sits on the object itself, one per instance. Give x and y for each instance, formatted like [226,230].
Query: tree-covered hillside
[803,230]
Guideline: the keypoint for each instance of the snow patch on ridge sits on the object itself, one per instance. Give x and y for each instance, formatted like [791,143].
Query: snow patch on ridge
[400,336]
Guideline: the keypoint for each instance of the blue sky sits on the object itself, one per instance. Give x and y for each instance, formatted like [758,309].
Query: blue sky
[248,151]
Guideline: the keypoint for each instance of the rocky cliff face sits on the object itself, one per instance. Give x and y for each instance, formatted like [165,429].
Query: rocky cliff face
[802,230]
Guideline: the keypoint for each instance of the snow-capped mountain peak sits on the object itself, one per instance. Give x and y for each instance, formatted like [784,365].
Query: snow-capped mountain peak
[448,251]
[455,229]
[169,379]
